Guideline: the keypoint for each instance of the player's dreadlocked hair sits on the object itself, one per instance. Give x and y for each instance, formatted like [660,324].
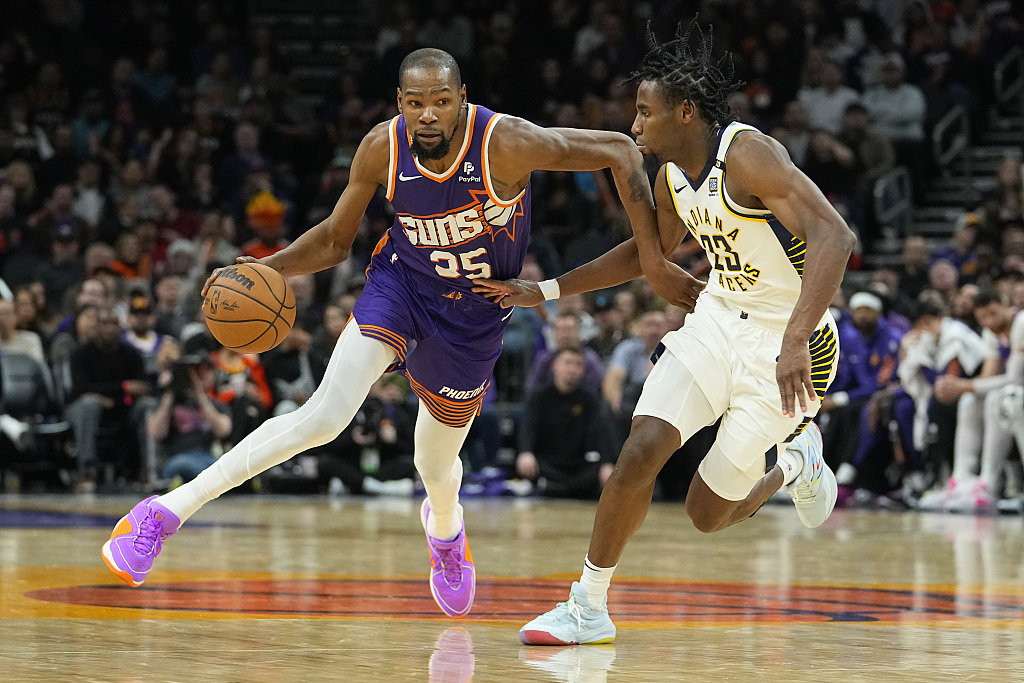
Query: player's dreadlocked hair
[683,73]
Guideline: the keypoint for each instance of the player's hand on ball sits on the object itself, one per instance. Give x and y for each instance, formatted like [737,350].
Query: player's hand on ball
[509,293]
[793,373]
[675,285]
[216,273]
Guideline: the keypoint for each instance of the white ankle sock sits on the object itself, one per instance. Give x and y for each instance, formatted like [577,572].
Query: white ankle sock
[595,582]
[790,462]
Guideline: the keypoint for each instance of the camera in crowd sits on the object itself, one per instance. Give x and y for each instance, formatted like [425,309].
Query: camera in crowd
[181,380]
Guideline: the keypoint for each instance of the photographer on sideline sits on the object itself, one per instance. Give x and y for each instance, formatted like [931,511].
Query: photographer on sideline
[188,421]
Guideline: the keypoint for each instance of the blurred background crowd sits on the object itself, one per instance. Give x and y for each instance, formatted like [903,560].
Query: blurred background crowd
[145,142]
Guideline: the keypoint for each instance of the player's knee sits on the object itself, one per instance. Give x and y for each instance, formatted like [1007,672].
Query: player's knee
[708,515]
[431,466]
[650,444]
[636,467]
[319,425]
[704,521]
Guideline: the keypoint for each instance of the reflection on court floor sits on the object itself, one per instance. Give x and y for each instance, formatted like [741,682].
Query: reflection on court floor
[277,589]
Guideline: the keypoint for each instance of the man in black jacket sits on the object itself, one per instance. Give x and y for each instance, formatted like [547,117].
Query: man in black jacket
[563,441]
[107,381]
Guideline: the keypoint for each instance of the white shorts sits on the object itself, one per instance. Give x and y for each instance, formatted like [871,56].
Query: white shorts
[723,365]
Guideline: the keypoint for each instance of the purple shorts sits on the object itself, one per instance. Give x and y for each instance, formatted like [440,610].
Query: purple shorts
[456,335]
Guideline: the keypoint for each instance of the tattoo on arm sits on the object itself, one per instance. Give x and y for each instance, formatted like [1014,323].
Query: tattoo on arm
[638,189]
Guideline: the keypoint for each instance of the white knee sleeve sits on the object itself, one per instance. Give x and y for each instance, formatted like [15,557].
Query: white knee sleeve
[355,364]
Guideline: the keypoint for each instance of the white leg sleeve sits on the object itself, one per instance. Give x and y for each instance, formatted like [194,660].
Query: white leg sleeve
[437,460]
[355,364]
[996,445]
[970,416]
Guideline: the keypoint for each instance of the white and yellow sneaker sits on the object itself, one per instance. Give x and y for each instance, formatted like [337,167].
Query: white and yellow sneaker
[814,491]
[573,622]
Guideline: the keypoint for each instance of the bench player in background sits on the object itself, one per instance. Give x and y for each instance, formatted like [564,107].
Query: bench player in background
[458,177]
[759,350]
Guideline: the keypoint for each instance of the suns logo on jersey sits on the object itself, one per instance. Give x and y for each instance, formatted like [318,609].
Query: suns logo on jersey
[461,225]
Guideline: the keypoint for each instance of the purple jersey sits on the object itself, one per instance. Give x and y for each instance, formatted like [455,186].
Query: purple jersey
[449,229]
[453,227]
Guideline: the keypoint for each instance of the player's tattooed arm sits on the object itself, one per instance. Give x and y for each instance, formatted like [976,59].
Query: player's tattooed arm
[761,173]
[519,147]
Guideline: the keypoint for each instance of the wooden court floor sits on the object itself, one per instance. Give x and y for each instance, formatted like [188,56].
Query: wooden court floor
[315,589]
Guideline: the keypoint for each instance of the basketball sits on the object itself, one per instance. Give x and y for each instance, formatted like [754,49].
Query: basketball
[250,308]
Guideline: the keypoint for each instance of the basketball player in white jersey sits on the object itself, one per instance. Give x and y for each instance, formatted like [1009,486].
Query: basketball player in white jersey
[760,348]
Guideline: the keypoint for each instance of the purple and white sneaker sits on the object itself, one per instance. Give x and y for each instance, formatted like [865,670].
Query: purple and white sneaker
[137,540]
[452,573]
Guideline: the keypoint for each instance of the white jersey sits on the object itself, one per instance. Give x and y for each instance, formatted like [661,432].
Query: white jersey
[995,346]
[757,264]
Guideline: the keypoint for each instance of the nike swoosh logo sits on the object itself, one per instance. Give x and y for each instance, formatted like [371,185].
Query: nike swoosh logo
[679,189]
[509,314]
[403,177]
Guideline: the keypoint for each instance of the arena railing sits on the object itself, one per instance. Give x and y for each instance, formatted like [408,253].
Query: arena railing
[951,137]
[1008,76]
[894,205]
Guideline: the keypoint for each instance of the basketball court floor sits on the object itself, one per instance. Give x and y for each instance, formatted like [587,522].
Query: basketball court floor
[316,589]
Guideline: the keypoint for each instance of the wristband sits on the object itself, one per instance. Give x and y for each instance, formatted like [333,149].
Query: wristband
[550,289]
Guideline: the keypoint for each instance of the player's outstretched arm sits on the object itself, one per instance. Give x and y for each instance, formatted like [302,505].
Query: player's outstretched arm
[520,147]
[761,168]
[327,244]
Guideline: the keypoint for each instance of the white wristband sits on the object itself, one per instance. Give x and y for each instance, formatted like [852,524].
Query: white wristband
[550,289]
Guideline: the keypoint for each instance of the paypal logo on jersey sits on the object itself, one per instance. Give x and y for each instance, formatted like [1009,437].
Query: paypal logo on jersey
[467,174]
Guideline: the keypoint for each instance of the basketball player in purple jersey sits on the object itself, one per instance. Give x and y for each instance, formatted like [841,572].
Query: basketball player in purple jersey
[458,176]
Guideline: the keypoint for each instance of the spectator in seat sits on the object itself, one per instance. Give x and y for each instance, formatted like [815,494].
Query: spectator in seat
[170,319]
[875,156]
[868,357]
[65,266]
[794,132]
[566,334]
[107,379]
[266,219]
[960,251]
[142,335]
[374,454]
[898,110]
[628,369]
[81,331]
[913,273]
[563,443]
[294,370]
[241,382]
[187,422]
[827,101]
[610,332]
[326,336]
[13,340]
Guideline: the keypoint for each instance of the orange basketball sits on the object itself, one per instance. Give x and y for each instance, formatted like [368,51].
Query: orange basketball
[250,308]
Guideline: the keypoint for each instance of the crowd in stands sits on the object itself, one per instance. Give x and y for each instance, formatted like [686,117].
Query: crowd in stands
[144,143]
